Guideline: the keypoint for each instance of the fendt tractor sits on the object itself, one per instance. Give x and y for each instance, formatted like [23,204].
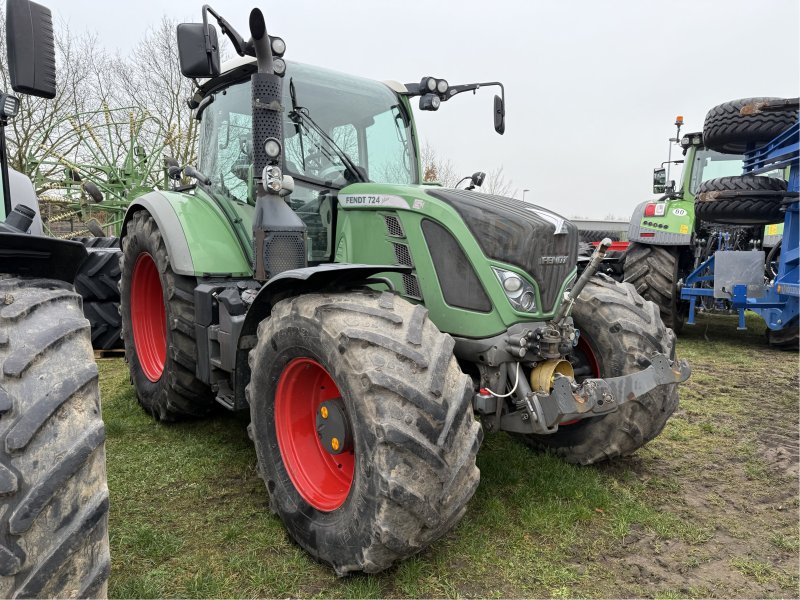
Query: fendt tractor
[671,236]
[364,318]
[53,493]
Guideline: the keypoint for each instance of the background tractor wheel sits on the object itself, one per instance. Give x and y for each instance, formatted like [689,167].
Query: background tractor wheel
[399,408]
[731,126]
[654,272]
[106,324]
[619,332]
[53,493]
[159,343]
[740,200]
[787,338]
[98,276]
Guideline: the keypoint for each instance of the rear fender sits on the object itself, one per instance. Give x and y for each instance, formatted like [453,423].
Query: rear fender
[199,239]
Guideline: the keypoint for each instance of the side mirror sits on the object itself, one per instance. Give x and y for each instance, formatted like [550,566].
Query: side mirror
[499,115]
[31,48]
[198,50]
[659,180]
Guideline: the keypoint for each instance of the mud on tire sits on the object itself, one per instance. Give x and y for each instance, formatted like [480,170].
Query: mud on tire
[623,330]
[654,272]
[53,493]
[177,392]
[414,435]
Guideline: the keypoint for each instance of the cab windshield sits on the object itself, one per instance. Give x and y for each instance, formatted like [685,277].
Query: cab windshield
[709,165]
[364,121]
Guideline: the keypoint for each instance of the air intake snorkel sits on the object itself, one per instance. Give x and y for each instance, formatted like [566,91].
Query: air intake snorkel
[279,234]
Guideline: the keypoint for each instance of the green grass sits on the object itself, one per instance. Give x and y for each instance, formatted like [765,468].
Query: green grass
[190,517]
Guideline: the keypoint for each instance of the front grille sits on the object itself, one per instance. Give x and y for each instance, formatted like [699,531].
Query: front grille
[393,226]
[402,255]
[411,285]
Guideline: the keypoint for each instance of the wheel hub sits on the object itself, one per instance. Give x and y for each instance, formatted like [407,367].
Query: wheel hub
[333,426]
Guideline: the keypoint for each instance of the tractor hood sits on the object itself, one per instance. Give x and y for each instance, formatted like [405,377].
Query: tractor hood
[539,241]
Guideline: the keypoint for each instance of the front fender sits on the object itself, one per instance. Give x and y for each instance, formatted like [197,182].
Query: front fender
[200,241]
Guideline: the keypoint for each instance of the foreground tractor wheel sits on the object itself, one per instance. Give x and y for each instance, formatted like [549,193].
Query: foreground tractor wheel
[158,326]
[654,272]
[363,427]
[53,493]
[619,332]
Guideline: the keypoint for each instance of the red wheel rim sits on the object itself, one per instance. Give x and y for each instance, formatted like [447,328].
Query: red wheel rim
[148,317]
[321,478]
[585,348]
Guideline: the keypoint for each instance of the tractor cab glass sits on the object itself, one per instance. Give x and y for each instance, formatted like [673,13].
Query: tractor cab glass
[345,120]
[709,164]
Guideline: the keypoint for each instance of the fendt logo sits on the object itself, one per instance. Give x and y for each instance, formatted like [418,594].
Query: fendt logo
[553,260]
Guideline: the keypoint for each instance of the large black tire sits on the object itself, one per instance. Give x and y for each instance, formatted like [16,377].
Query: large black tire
[740,200]
[53,492]
[106,324]
[654,272]
[597,235]
[175,391]
[98,276]
[414,435]
[731,126]
[622,331]
[98,242]
[787,338]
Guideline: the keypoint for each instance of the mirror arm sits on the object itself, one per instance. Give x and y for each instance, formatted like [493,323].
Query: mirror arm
[474,87]
[237,40]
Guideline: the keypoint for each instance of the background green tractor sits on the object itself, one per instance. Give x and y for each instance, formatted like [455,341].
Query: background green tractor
[53,493]
[364,318]
[670,236]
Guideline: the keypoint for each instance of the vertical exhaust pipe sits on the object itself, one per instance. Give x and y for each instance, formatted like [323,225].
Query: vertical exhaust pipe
[279,235]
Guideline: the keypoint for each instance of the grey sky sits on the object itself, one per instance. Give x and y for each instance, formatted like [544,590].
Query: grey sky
[592,88]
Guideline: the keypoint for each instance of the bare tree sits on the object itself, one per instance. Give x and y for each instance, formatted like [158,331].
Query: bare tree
[436,168]
[497,184]
[150,79]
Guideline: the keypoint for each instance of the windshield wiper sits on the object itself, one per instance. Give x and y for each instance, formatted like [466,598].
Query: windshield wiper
[301,114]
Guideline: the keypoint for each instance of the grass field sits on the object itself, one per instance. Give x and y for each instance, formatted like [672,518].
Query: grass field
[710,508]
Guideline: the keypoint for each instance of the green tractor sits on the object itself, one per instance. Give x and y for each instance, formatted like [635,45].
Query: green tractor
[53,492]
[671,236]
[364,318]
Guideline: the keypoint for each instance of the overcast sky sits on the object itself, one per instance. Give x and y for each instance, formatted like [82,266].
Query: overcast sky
[592,87]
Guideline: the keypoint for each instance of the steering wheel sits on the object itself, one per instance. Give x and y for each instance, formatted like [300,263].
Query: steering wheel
[323,167]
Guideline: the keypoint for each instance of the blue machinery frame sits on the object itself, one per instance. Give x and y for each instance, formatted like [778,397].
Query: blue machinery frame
[780,304]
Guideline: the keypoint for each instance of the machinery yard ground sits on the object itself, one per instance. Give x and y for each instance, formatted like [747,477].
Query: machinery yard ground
[707,509]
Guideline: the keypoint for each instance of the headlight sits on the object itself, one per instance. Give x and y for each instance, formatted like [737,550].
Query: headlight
[278,67]
[520,293]
[278,46]
[442,86]
[9,105]
[429,102]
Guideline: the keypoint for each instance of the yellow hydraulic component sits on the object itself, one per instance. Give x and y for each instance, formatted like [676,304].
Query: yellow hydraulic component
[543,375]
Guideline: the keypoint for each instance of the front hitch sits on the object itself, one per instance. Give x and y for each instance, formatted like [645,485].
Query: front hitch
[568,401]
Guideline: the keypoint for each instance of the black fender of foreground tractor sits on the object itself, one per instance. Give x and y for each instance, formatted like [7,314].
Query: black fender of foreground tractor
[219,305]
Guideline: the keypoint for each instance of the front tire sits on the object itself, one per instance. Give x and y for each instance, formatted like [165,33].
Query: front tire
[409,470]
[53,492]
[158,326]
[620,331]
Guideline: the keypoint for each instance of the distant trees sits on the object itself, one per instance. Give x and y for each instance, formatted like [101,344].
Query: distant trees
[442,170]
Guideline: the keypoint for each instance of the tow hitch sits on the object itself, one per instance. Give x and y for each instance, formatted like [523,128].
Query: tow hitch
[568,401]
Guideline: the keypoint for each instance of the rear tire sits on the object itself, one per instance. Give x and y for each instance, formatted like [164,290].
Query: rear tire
[98,276]
[730,127]
[728,200]
[160,346]
[412,468]
[54,510]
[622,331]
[654,272]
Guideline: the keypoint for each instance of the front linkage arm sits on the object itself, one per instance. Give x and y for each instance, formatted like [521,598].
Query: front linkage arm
[542,413]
